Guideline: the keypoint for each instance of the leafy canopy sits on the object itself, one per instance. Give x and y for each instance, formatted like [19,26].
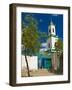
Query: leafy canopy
[30,36]
[59,45]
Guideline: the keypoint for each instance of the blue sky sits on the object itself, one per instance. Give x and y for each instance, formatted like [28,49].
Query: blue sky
[44,21]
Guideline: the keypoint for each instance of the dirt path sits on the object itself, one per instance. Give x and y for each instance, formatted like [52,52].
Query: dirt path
[39,72]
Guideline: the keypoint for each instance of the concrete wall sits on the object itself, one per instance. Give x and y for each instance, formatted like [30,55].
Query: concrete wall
[32,61]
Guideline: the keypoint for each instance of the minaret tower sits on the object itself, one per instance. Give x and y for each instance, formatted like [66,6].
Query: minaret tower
[51,37]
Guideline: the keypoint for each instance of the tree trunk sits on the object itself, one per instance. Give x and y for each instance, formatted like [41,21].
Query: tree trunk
[27,64]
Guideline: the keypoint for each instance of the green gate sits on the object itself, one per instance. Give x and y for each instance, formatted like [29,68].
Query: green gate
[47,63]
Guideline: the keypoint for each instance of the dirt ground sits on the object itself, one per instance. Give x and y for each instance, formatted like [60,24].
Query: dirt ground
[39,72]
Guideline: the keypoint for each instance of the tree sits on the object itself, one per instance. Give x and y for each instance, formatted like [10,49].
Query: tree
[59,51]
[59,45]
[30,38]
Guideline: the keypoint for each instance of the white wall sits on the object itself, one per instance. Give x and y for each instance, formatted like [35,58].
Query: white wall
[32,62]
[4,45]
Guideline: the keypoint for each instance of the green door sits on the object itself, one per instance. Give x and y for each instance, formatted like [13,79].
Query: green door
[47,63]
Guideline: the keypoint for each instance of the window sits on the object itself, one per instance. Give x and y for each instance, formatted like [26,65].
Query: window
[53,29]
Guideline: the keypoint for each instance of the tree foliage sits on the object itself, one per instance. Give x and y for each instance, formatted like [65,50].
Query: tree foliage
[30,36]
[59,45]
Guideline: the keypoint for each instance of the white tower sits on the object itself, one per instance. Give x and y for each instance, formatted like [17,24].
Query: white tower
[52,38]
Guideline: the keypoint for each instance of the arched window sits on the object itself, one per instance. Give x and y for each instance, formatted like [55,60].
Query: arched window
[53,29]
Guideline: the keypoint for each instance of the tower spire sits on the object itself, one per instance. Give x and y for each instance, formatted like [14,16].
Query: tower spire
[51,22]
